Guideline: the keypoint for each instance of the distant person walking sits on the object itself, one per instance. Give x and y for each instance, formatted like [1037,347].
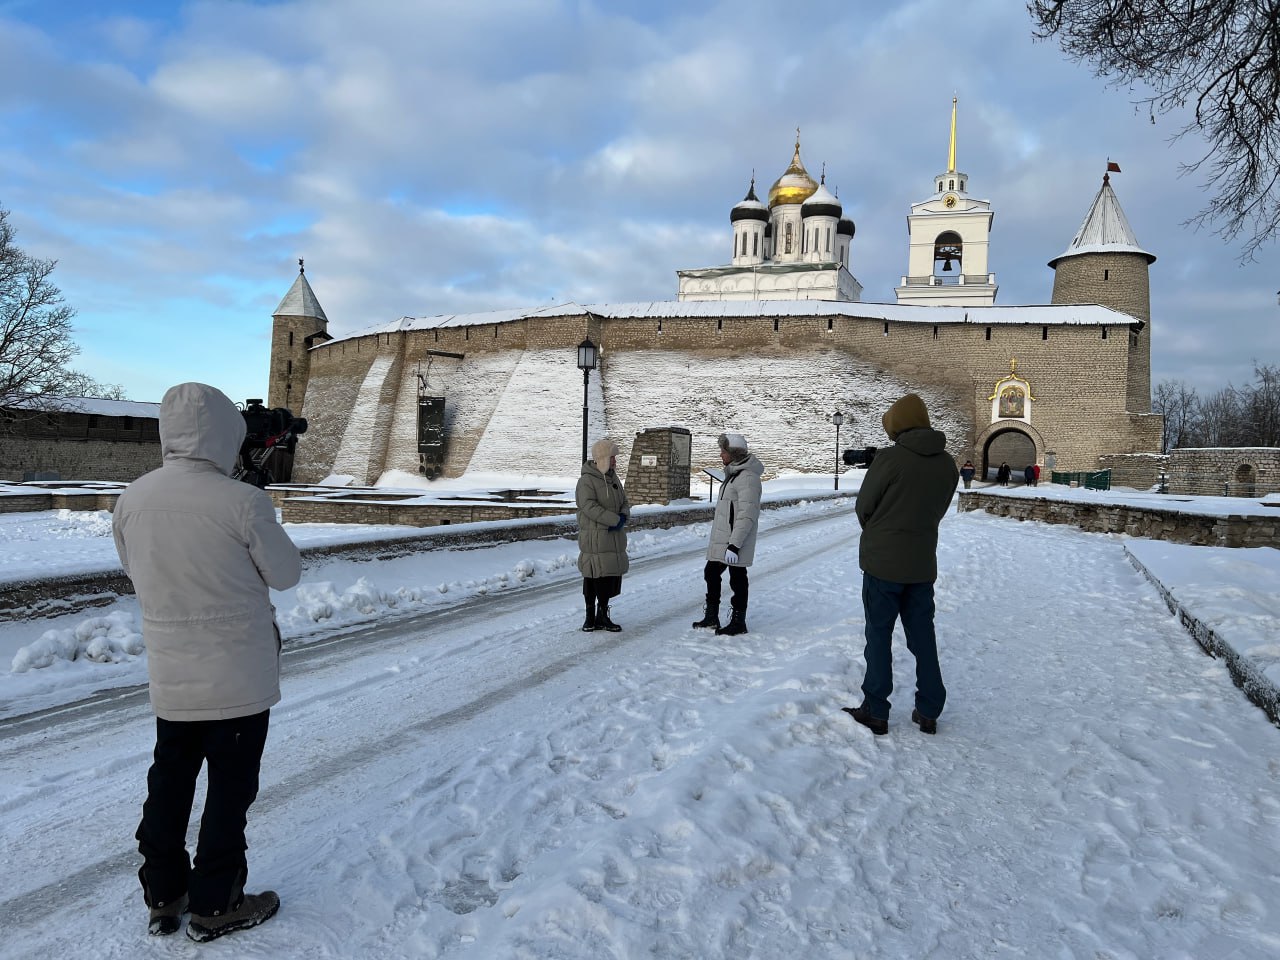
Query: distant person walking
[1029,475]
[733,534]
[1035,474]
[966,473]
[202,551]
[905,495]
[1002,475]
[602,541]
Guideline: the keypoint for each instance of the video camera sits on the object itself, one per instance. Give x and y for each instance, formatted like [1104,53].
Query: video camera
[859,458]
[266,432]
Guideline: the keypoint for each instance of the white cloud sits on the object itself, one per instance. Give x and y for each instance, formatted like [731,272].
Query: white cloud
[435,158]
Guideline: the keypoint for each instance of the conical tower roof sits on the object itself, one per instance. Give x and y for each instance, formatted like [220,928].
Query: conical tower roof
[300,301]
[1105,229]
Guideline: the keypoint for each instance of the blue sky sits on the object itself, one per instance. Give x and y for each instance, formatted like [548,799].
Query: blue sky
[177,158]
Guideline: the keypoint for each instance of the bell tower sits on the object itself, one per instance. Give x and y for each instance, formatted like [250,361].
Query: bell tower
[948,236]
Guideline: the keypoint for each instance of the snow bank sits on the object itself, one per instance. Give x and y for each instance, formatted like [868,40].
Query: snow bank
[111,639]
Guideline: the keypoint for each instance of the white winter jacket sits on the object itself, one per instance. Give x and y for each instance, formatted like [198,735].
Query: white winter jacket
[737,512]
[201,550]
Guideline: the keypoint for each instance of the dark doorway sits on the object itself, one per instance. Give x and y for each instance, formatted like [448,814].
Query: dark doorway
[1008,446]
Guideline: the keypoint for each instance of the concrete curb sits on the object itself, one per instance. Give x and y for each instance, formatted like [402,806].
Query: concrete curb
[1244,672]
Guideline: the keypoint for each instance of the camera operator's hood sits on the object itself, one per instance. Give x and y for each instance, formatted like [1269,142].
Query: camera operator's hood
[198,422]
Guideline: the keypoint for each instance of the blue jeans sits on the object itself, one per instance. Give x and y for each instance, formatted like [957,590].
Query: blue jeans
[883,602]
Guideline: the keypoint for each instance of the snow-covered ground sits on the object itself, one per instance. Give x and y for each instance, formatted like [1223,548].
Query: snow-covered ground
[457,771]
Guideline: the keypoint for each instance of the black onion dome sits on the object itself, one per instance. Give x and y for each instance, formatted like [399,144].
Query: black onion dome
[750,207]
[845,227]
[822,203]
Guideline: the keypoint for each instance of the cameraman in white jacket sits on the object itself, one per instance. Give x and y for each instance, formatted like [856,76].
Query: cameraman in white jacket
[202,550]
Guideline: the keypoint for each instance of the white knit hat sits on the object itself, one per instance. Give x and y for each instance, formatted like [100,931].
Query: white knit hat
[602,450]
[733,442]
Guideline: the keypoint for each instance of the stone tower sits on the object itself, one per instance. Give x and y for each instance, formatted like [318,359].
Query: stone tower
[1104,265]
[949,238]
[298,324]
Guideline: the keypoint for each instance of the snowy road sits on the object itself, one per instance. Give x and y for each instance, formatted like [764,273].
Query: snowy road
[489,782]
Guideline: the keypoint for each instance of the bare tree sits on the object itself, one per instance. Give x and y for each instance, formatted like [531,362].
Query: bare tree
[1261,407]
[35,331]
[1176,402]
[1219,420]
[1221,58]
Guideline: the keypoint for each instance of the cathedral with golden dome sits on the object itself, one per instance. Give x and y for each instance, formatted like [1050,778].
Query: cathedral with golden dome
[794,248]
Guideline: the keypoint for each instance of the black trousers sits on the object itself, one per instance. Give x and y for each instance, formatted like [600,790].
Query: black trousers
[233,751]
[601,589]
[713,573]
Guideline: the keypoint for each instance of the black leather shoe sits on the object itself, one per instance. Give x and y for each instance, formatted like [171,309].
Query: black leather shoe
[926,724]
[863,716]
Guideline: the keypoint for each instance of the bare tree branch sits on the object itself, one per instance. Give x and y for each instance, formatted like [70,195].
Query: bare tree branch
[1220,56]
[35,331]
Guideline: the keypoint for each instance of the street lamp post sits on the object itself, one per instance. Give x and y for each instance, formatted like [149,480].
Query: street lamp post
[587,353]
[837,418]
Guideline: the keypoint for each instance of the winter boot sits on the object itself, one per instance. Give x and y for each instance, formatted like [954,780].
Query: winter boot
[166,918]
[711,618]
[876,725]
[737,624]
[590,624]
[602,618]
[926,724]
[251,910]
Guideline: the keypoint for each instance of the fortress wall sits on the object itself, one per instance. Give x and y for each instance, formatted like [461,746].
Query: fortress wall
[781,400]
[796,369]
[363,450]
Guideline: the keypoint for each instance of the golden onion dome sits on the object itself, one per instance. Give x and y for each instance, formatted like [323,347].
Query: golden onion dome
[795,185]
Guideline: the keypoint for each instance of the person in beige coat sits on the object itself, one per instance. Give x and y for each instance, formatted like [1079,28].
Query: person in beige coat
[602,541]
[202,551]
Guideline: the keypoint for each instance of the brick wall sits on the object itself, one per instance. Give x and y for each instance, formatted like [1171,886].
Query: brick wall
[1079,376]
[1224,471]
[667,477]
[1154,524]
[77,459]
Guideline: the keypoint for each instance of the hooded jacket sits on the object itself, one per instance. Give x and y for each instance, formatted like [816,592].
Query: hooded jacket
[601,500]
[202,550]
[904,496]
[737,511]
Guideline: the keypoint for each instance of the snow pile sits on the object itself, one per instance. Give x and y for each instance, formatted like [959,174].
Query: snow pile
[322,602]
[84,523]
[111,639]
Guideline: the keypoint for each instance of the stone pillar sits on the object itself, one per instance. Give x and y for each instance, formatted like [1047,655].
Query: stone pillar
[658,471]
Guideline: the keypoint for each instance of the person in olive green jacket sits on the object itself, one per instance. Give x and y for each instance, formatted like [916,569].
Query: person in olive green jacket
[602,541]
[904,496]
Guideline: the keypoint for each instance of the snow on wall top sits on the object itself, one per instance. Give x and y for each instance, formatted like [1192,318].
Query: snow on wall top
[1077,314]
[91,405]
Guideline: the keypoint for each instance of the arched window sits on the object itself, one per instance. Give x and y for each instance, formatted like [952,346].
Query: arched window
[787,245]
[948,250]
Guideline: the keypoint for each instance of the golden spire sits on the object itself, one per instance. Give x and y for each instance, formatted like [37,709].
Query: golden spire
[951,154]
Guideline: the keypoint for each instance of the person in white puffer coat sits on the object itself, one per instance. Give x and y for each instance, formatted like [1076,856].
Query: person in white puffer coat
[733,534]
[202,550]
